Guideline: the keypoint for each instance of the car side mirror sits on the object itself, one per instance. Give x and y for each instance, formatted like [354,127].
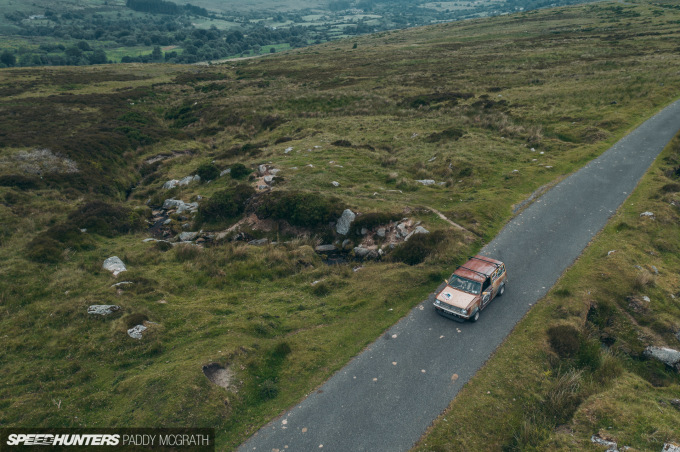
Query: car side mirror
[446,281]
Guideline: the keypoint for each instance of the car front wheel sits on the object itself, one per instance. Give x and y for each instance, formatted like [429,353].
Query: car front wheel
[501,291]
[475,317]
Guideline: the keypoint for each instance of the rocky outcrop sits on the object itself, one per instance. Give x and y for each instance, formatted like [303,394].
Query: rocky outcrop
[114,265]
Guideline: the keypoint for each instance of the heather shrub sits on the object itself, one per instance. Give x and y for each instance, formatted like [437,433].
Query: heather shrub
[225,204]
[418,248]
[208,171]
[300,208]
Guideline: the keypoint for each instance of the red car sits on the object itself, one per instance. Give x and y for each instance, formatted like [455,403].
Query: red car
[471,288]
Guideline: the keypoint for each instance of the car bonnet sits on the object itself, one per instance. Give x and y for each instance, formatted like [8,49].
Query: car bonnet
[455,297]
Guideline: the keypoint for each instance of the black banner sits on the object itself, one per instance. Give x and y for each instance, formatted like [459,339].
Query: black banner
[108,439]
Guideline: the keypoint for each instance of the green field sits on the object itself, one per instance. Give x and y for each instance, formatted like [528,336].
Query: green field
[492,109]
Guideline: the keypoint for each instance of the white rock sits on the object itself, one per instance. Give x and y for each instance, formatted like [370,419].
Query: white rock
[262,170]
[344,222]
[136,331]
[102,309]
[114,265]
[197,178]
[670,447]
[170,184]
[381,232]
[186,181]
[287,150]
[647,214]
[426,181]
[122,283]
[269,180]
[668,356]
[609,253]
[225,172]
[335,183]
[646,298]
[612,446]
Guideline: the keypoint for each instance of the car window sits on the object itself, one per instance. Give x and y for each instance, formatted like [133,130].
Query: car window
[487,282]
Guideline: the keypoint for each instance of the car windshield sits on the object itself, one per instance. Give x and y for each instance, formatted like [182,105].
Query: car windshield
[465,285]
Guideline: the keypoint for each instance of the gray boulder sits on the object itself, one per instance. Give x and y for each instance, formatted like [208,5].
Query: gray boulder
[172,204]
[417,230]
[324,248]
[335,183]
[262,170]
[647,214]
[225,172]
[191,207]
[114,265]
[668,356]
[187,236]
[381,232]
[344,222]
[102,309]
[365,253]
[670,447]
[402,230]
[269,180]
[136,331]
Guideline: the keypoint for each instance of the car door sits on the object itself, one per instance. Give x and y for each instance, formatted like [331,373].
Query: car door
[487,293]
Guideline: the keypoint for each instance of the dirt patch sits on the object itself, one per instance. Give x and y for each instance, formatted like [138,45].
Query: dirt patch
[219,375]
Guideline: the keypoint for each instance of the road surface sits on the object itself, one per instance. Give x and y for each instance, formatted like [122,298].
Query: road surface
[385,398]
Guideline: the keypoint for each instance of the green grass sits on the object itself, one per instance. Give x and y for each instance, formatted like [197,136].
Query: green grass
[375,119]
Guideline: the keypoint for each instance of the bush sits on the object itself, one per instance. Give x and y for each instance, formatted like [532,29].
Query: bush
[225,204]
[342,143]
[239,171]
[45,250]
[208,171]
[565,340]
[418,248]
[69,235]
[20,182]
[299,208]
[135,319]
[105,219]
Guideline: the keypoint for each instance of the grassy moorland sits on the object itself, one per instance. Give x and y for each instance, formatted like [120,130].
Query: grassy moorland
[493,109]
[575,367]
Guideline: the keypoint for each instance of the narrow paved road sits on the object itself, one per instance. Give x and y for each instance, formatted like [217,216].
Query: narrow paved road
[386,397]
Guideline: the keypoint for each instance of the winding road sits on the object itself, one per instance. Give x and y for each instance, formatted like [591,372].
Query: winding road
[386,397]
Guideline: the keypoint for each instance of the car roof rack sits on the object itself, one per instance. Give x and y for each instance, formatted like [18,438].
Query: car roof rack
[484,260]
[474,271]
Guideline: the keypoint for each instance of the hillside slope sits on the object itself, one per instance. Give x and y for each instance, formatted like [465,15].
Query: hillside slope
[493,109]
